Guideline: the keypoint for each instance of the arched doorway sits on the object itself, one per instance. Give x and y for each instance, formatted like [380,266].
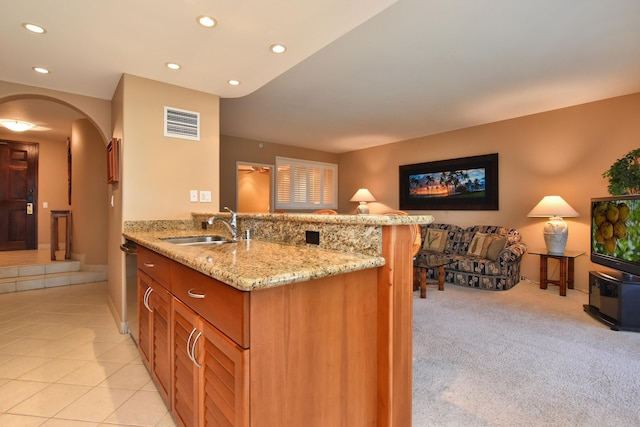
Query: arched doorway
[66,137]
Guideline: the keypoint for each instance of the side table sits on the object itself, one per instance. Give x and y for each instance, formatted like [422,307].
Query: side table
[440,263]
[567,261]
[55,214]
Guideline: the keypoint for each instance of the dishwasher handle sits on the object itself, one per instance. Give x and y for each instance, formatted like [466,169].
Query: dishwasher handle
[129,248]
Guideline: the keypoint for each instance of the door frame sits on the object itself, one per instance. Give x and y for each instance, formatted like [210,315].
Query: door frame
[271,181]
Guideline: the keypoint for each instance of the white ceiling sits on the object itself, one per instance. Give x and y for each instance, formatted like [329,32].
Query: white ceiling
[357,73]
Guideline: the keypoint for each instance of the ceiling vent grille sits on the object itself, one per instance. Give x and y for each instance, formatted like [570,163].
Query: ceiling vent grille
[181,124]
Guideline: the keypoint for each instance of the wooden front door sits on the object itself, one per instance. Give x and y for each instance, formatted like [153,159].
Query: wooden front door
[18,195]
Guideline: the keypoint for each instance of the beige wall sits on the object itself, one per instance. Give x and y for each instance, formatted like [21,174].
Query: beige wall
[159,171]
[96,110]
[156,172]
[52,185]
[254,192]
[116,268]
[561,152]
[233,149]
[89,193]
[52,168]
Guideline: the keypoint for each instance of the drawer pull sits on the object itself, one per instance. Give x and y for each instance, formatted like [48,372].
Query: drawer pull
[145,299]
[149,264]
[193,350]
[188,348]
[193,294]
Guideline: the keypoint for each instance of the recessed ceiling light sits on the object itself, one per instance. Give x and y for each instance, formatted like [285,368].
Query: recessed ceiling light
[277,48]
[41,70]
[206,21]
[173,66]
[34,28]
[234,82]
[16,125]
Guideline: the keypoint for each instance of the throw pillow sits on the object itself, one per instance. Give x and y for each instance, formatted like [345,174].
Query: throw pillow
[435,240]
[496,245]
[477,244]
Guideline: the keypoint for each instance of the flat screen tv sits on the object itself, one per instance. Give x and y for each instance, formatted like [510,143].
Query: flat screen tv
[615,233]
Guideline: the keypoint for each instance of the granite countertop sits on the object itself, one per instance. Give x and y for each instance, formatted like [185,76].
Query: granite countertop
[254,264]
[373,219]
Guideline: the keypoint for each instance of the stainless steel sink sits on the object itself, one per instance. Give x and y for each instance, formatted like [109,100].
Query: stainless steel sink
[198,240]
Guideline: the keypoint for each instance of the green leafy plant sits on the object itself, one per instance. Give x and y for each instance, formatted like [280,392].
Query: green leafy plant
[624,174]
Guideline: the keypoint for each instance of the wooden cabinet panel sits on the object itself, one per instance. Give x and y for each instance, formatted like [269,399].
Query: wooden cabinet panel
[224,307]
[160,302]
[154,337]
[209,372]
[184,372]
[144,319]
[313,353]
[224,380]
[155,265]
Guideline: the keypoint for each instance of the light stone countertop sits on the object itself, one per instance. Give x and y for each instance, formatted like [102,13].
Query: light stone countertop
[279,255]
[253,264]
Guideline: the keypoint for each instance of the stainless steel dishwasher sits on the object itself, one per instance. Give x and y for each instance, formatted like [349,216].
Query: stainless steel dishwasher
[131,287]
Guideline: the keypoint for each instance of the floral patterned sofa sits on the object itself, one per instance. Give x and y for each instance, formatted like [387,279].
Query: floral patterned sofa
[482,256]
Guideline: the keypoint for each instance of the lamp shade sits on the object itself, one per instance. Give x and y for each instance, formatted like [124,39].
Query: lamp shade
[16,125]
[552,206]
[363,195]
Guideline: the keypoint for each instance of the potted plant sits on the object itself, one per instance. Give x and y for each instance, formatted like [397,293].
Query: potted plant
[624,174]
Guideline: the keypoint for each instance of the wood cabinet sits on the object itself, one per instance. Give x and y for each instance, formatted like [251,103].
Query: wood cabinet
[154,318]
[154,334]
[210,350]
[333,351]
[210,373]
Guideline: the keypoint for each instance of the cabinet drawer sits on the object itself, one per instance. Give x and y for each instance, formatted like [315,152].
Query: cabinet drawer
[155,265]
[223,306]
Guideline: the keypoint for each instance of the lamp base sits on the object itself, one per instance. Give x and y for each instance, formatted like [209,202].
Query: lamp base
[363,209]
[556,232]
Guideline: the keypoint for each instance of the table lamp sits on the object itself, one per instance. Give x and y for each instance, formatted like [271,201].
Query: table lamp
[363,196]
[556,230]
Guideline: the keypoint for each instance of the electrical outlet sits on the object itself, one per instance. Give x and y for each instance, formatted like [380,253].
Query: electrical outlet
[312,237]
[205,196]
[193,195]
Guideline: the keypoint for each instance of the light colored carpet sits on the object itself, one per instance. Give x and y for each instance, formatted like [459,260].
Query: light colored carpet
[523,357]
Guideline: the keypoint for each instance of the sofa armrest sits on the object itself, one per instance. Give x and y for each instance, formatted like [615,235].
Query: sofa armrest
[512,253]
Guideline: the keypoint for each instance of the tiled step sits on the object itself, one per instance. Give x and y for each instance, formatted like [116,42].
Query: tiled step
[39,276]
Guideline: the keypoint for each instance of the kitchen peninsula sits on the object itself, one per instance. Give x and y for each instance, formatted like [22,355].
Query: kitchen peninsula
[275,331]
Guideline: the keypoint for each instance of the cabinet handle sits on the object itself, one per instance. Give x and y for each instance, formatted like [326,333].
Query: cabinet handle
[195,295]
[149,264]
[145,300]
[189,355]
[193,350]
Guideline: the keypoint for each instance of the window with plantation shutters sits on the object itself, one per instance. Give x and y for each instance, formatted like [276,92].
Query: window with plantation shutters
[303,184]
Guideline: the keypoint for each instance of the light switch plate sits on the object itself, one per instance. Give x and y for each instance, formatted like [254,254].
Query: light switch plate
[193,195]
[205,196]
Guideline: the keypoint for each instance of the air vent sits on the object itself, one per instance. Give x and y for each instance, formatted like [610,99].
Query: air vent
[181,124]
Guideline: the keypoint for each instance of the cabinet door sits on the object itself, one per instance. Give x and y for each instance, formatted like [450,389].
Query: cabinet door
[224,379]
[209,372]
[184,372]
[144,319]
[160,303]
[154,309]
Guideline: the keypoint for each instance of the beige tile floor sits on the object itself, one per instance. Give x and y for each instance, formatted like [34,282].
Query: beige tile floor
[30,257]
[64,363]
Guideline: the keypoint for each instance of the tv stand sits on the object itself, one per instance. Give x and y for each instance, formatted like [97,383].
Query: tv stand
[614,299]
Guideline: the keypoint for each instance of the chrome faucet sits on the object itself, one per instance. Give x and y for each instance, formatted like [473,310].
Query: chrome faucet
[232,225]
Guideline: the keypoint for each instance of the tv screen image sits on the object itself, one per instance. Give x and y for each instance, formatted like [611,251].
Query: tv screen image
[615,233]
